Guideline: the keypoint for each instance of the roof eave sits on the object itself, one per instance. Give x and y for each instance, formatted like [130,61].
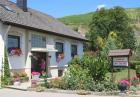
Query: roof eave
[44,31]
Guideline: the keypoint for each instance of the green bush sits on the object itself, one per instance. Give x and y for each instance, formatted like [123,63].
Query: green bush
[104,86]
[97,66]
[56,83]
[138,71]
[134,64]
[77,78]
[5,76]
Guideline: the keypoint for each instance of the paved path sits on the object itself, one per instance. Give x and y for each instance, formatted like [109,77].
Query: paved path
[18,93]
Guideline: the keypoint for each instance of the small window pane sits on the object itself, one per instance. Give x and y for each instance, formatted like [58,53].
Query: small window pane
[13,41]
[73,50]
[59,47]
[38,41]
[60,73]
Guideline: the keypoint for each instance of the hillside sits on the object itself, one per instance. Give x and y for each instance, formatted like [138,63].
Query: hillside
[81,22]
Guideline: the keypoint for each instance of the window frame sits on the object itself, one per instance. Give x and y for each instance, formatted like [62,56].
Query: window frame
[58,52]
[36,44]
[14,37]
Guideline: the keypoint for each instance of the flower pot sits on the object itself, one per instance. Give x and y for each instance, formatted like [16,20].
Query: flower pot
[17,83]
[35,76]
[122,88]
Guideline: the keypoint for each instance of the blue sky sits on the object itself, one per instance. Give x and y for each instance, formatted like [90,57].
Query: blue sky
[60,8]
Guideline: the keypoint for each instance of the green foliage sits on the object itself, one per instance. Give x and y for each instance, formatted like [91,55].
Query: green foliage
[138,71]
[6,77]
[134,81]
[40,89]
[105,21]
[77,78]
[104,86]
[97,66]
[134,64]
[77,19]
[133,13]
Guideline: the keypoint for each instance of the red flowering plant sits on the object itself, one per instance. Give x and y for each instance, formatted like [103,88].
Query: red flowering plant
[14,51]
[123,85]
[35,73]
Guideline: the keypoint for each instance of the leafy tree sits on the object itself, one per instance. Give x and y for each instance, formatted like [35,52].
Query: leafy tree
[114,19]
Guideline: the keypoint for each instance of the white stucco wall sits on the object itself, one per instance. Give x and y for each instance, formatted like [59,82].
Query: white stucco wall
[67,50]
[53,65]
[18,62]
[1,45]
[3,31]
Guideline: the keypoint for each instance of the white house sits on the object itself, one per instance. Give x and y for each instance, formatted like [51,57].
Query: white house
[31,36]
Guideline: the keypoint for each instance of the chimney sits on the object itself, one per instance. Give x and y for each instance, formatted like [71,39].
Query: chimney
[22,4]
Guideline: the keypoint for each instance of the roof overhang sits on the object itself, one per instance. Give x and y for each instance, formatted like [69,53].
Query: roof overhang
[44,31]
[120,52]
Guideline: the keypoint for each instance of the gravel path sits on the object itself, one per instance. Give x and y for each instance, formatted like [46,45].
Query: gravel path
[18,93]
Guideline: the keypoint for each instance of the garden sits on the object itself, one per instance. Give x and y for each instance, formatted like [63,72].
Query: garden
[87,74]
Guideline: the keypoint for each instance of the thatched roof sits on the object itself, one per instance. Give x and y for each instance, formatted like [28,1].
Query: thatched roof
[10,13]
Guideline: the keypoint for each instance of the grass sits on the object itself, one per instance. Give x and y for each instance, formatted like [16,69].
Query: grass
[123,74]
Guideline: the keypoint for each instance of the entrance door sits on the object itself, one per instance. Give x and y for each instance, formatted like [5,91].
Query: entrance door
[39,62]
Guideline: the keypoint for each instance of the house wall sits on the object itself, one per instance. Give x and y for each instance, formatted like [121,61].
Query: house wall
[53,65]
[18,62]
[23,62]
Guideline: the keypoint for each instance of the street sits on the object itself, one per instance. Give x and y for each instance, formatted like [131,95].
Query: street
[19,93]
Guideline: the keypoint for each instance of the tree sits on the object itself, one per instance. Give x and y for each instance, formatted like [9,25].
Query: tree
[105,21]
[6,78]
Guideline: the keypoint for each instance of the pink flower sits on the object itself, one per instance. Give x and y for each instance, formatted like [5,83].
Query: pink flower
[124,82]
[35,73]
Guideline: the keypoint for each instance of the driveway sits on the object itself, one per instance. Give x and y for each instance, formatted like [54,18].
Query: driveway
[18,93]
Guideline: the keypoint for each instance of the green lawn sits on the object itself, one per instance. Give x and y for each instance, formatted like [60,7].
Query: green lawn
[123,74]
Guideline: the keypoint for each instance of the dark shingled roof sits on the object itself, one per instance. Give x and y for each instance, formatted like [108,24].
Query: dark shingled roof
[121,52]
[34,20]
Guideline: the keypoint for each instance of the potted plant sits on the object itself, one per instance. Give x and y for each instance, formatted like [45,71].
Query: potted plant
[23,77]
[16,79]
[35,75]
[14,51]
[123,85]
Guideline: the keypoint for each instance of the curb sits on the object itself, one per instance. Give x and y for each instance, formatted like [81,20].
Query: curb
[16,88]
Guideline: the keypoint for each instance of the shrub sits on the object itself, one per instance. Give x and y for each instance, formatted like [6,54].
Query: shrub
[134,81]
[97,66]
[56,83]
[138,71]
[134,64]
[104,86]
[5,76]
[77,78]
[40,89]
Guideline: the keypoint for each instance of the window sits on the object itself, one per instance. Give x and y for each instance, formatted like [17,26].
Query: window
[60,73]
[13,41]
[38,41]
[73,50]
[59,47]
